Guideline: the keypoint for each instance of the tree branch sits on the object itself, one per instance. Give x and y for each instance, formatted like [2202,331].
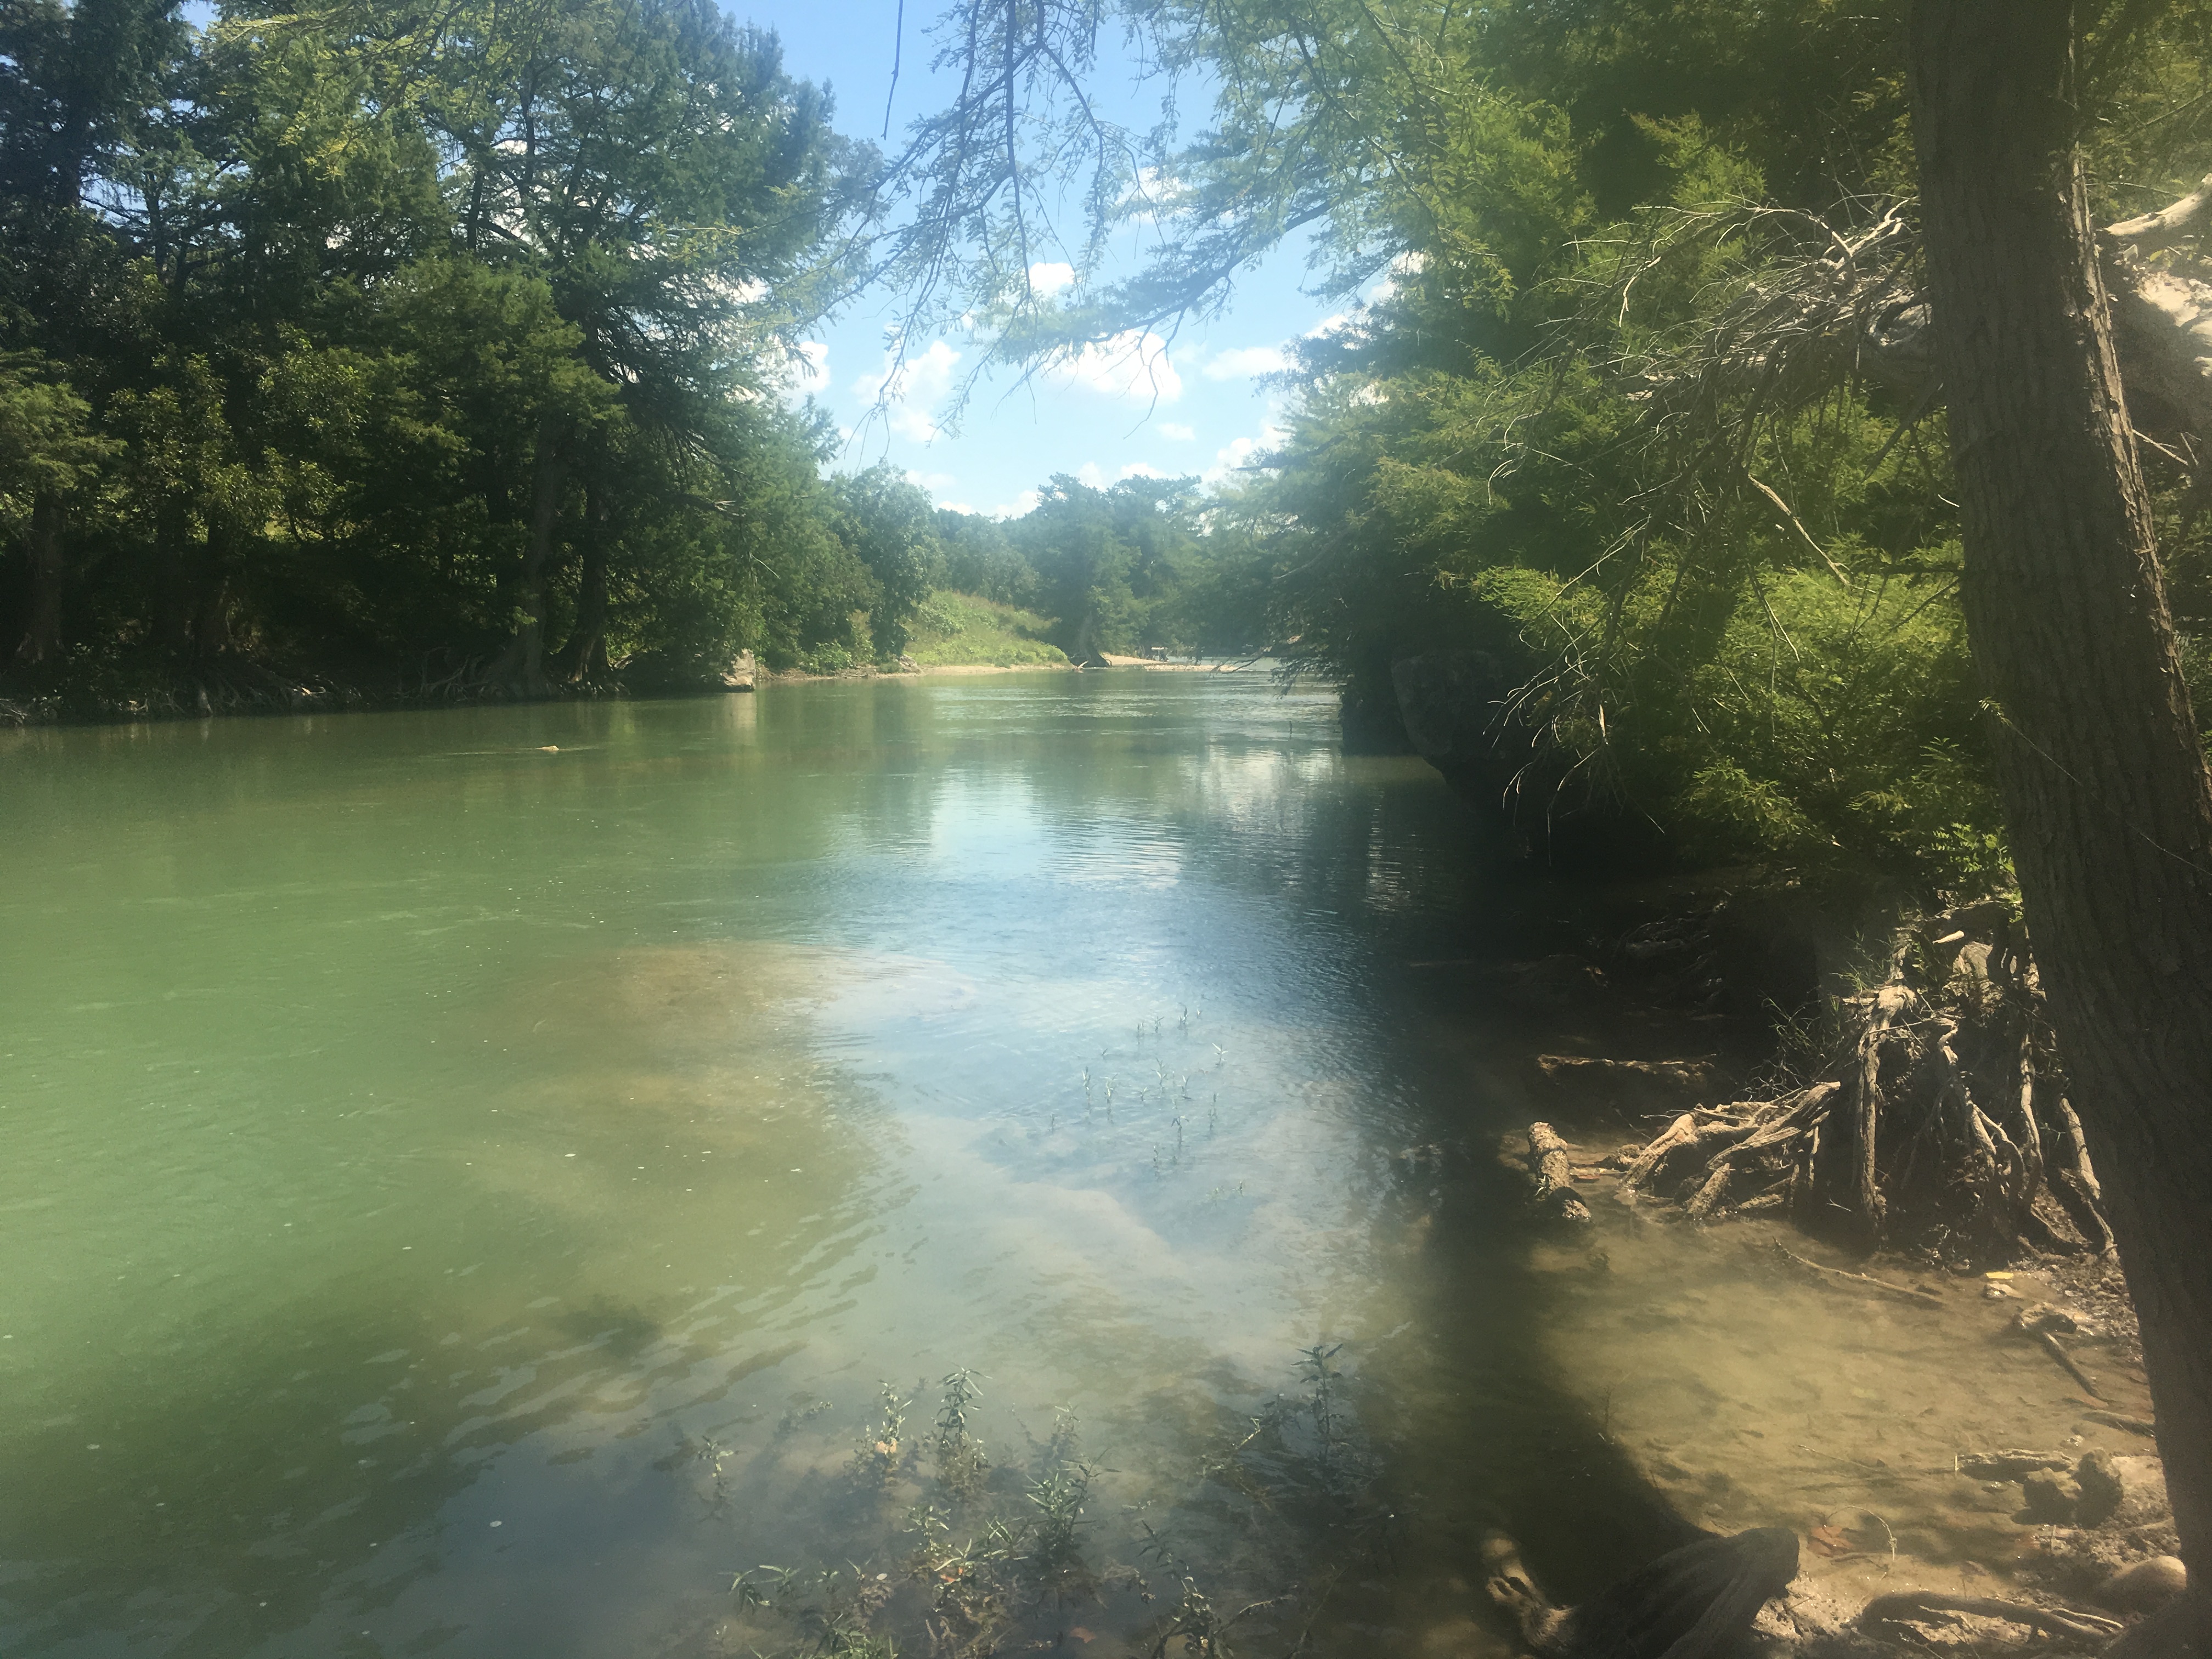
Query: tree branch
[2155,230]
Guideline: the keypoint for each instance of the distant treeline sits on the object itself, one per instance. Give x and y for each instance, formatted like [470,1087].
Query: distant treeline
[1141,563]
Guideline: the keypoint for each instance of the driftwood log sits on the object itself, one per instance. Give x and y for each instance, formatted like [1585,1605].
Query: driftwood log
[1554,1174]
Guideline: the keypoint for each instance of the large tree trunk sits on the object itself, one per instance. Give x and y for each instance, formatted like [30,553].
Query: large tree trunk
[175,562]
[585,653]
[522,664]
[213,598]
[2105,783]
[42,633]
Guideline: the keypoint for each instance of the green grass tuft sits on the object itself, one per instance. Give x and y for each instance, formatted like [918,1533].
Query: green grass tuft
[961,631]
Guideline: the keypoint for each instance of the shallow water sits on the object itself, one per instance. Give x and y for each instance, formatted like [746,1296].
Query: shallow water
[471,1174]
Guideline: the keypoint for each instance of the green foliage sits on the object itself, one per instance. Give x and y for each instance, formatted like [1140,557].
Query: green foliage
[1721,602]
[443,348]
[964,629]
[978,558]
[891,528]
[1729,607]
[1135,566]
[48,447]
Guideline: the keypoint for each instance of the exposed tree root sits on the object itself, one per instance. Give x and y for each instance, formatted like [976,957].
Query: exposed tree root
[1939,1118]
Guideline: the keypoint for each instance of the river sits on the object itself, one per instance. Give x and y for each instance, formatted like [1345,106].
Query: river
[473,1175]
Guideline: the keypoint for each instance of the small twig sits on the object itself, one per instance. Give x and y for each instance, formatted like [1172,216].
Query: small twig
[2050,1346]
[898,45]
[1796,524]
[2113,1421]
[1924,1297]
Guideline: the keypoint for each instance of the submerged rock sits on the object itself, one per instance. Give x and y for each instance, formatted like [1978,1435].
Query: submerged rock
[2009,1465]
[2052,1499]
[2102,1489]
[2147,1585]
[2144,1502]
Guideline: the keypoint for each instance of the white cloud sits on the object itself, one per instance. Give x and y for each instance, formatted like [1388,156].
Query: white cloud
[809,368]
[908,390]
[918,424]
[1241,453]
[933,482]
[1095,475]
[1048,276]
[1241,363]
[1176,430]
[1022,504]
[1237,453]
[1333,324]
[1131,365]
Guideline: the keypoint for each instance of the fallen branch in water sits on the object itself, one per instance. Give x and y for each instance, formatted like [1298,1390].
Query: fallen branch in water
[1910,1606]
[2050,1344]
[2140,1425]
[1555,1175]
[1924,1297]
[1801,1117]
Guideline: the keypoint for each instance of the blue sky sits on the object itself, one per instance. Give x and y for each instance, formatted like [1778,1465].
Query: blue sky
[1190,406]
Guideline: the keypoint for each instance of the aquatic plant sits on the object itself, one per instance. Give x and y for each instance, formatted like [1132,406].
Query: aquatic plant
[834,1608]
[961,1464]
[1296,1481]
[1196,1627]
[881,1445]
[1055,1555]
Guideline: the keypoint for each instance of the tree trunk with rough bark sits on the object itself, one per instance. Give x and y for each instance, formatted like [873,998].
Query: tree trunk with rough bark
[522,664]
[176,562]
[42,632]
[2105,783]
[585,652]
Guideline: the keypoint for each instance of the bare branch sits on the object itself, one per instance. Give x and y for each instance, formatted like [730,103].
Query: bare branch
[2168,224]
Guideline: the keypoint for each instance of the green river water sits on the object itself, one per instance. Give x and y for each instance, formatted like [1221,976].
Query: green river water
[469,1174]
